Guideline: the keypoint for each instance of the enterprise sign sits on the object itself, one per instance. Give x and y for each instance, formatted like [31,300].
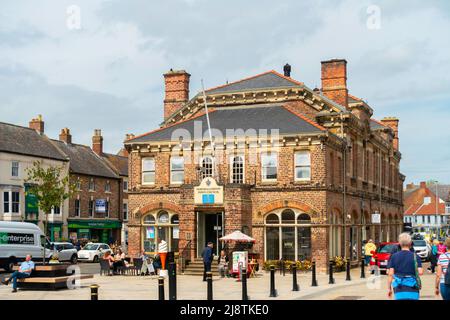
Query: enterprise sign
[16,238]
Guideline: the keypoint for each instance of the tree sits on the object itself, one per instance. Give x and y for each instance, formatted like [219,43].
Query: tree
[51,186]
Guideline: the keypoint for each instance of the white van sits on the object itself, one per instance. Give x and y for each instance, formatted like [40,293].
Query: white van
[17,240]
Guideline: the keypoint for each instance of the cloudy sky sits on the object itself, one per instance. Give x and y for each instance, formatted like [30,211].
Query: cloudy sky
[105,69]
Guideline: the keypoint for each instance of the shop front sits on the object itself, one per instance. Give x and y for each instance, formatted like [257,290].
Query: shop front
[104,231]
[54,231]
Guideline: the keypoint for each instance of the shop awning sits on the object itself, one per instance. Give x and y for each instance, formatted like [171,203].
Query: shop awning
[237,236]
[94,224]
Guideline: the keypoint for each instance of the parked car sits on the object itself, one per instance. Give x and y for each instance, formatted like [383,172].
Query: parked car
[93,252]
[422,249]
[66,251]
[17,240]
[384,251]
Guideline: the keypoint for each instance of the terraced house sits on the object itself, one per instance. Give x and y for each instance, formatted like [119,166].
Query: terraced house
[306,172]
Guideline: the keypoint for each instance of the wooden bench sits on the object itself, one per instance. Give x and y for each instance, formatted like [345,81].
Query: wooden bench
[49,283]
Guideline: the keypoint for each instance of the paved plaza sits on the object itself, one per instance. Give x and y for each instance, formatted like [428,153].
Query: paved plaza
[193,288]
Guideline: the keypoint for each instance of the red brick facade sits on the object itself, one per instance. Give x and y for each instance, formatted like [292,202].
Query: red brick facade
[372,179]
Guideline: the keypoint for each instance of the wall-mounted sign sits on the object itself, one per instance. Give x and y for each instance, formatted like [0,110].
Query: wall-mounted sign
[208,192]
[376,217]
[100,206]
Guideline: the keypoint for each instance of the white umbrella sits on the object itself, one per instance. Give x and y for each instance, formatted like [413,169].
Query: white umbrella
[237,236]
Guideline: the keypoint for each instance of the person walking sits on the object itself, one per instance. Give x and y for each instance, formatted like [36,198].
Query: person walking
[25,270]
[369,249]
[208,257]
[405,269]
[433,256]
[442,273]
[223,264]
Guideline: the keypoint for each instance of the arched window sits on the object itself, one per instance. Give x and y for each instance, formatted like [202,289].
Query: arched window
[149,219]
[237,170]
[288,216]
[287,238]
[207,167]
[175,219]
[163,217]
[160,226]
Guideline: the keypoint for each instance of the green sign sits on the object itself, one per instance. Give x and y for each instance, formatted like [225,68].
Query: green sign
[93,224]
[31,203]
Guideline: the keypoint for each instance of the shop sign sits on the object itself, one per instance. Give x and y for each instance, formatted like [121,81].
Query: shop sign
[100,206]
[94,225]
[16,238]
[31,202]
[208,192]
[240,257]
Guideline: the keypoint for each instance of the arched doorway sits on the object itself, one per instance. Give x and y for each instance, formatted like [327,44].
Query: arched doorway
[287,235]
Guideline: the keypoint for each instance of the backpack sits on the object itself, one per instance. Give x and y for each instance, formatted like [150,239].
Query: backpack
[447,274]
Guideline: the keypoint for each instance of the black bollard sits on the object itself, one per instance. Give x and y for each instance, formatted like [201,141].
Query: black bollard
[273,291]
[348,278]
[210,287]
[314,278]
[363,268]
[172,281]
[161,288]
[94,292]
[294,278]
[244,284]
[330,272]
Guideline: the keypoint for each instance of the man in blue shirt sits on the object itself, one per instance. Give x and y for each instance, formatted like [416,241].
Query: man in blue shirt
[208,257]
[24,272]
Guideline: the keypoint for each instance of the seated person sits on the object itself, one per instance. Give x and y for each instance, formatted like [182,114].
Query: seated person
[157,263]
[119,260]
[25,270]
[108,257]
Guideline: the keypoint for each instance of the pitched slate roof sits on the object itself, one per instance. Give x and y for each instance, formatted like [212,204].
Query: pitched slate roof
[268,116]
[118,163]
[84,161]
[376,125]
[26,141]
[267,80]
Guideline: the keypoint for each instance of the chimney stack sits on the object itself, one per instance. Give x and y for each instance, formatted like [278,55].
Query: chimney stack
[65,136]
[37,124]
[334,80]
[392,123]
[176,91]
[287,70]
[124,152]
[97,142]
[423,184]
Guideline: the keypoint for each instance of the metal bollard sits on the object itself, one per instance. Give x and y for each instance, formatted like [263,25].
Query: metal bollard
[94,292]
[161,288]
[273,291]
[330,271]
[363,268]
[172,281]
[210,287]
[314,278]
[348,278]
[295,286]
[244,284]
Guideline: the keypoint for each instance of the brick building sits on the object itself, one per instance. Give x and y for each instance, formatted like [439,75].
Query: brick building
[300,170]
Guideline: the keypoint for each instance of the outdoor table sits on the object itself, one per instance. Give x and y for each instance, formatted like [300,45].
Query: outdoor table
[252,269]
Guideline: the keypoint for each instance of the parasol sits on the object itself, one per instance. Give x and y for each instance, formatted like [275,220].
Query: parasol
[237,236]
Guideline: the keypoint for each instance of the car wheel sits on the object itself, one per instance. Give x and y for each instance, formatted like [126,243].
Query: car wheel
[74,259]
[11,263]
[95,260]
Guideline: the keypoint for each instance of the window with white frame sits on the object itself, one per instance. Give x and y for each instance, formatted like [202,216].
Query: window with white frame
[302,166]
[78,184]
[107,208]
[108,186]
[176,170]
[125,186]
[447,207]
[269,166]
[11,202]
[91,184]
[56,210]
[15,169]
[148,171]
[207,167]
[125,211]
[237,169]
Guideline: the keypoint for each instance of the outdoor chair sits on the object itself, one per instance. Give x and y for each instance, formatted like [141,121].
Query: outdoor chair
[105,268]
[137,266]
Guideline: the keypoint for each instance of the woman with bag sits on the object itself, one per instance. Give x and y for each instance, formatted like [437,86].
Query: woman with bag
[442,274]
[405,269]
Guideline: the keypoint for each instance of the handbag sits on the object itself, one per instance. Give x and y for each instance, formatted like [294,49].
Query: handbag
[416,268]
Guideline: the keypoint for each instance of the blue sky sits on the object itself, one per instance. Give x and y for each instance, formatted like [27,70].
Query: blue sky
[107,74]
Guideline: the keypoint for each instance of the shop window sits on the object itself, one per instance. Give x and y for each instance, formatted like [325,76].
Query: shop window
[291,242]
[165,227]
[302,166]
[237,169]
[148,171]
[269,164]
[177,170]
[207,167]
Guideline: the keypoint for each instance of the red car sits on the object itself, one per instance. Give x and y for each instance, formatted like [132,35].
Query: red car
[384,251]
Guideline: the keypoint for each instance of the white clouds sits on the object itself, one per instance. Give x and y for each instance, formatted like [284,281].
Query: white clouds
[116,60]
